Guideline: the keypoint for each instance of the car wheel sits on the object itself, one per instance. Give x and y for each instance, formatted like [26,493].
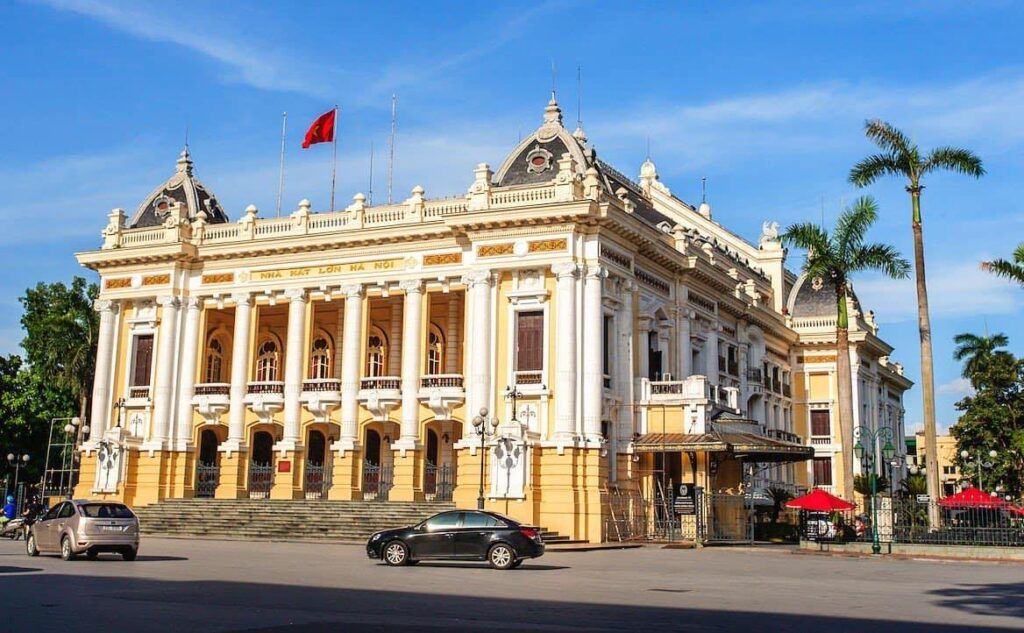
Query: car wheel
[92,554]
[129,554]
[30,545]
[65,549]
[501,556]
[396,553]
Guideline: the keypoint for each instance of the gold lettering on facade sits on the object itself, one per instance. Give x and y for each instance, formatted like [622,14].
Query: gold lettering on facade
[440,259]
[547,246]
[494,250]
[380,265]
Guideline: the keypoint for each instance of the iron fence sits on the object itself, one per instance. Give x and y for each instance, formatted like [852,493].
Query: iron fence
[376,482]
[315,483]
[207,476]
[261,478]
[438,482]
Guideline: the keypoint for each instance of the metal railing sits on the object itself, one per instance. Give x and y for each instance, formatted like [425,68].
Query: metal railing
[261,478]
[377,482]
[321,385]
[212,389]
[438,482]
[381,382]
[265,386]
[207,476]
[315,480]
[754,376]
[453,381]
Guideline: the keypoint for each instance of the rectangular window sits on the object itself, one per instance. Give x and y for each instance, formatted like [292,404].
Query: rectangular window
[142,360]
[821,425]
[822,471]
[529,341]
[949,470]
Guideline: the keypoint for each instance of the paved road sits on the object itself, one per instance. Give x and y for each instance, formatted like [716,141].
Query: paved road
[205,585]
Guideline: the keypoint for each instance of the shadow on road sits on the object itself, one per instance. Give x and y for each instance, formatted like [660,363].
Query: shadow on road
[134,604]
[474,565]
[1004,599]
[17,570]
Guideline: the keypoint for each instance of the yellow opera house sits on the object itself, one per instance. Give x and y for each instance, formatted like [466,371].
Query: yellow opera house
[587,346]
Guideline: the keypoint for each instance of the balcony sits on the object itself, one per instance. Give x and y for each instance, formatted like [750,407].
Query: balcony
[733,368]
[138,395]
[785,436]
[533,379]
[442,393]
[821,440]
[211,400]
[380,394]
[754,376]
[321,396]
[265,398]
[787,390]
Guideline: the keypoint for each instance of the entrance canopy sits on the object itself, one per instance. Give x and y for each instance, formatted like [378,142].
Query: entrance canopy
[750,446]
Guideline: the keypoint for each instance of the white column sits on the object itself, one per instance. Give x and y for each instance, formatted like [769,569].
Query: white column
[239,371]
[187,372]
[339,336]
[105,347]
[565,357]
[164,385]
[479,351]
[350,361]
[593,346]
[294,352]
[395,340]
[412,358]
[711,350]
[453,336]
[685,351]
[624,361]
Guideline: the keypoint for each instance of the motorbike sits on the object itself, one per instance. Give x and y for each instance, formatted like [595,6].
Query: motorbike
[13,528]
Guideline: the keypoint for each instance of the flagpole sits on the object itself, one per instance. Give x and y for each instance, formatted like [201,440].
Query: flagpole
[334,157]
[280,178]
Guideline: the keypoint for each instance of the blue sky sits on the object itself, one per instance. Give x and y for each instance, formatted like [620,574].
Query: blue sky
[765,99]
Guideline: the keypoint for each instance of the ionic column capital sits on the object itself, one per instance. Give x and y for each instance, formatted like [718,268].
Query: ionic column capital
[596,272]
[476,277]
[106,305]
[194,303]
[352,291]
[242,298]
[565,270]
[168,301]
[411,286]
[296,295]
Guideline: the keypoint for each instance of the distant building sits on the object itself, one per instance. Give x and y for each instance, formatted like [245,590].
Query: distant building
[949,474]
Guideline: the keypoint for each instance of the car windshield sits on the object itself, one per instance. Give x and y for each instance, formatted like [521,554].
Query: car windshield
[106,511]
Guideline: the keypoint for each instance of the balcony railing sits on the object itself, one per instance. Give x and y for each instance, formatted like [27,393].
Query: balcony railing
[451,381]
[785,436]
[212,389]
[754,376]
[265,386]
[530,377]
[141,392]
[666,388]
[321,384]
[787,390]
[820,440]
[381,382]
[733,368]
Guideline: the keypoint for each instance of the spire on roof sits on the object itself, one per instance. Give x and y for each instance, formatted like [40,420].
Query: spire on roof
[185,162]
[553,113]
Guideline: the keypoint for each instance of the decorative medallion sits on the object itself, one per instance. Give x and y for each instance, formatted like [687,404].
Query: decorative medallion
[817,284]
[538,160]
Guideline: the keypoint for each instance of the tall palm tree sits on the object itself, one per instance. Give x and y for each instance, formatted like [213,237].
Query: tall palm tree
[977,351]
[1012,270]
[838,257]
[901,157]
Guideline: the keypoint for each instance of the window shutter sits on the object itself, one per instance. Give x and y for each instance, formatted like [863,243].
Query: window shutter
[529,341]
[143,360]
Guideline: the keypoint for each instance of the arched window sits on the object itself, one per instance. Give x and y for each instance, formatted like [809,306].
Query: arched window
[320,358]
[376,354]
[435,350]
[214,361]
[267,361]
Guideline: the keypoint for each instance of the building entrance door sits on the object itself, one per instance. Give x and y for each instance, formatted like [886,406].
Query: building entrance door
[316,480]
[261,465]
[207,467]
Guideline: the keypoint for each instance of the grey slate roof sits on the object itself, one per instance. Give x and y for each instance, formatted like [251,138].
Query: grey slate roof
[182,187]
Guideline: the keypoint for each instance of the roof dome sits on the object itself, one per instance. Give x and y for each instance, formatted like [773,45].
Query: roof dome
[648,170]
[182,187]
[535,159]
[816,298]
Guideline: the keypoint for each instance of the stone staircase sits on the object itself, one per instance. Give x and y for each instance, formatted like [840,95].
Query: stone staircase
[300,519]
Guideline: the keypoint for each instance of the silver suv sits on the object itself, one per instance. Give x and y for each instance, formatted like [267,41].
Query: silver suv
[85,527]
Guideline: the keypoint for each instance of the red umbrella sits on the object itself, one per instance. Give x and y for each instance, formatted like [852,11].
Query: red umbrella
[820,501]
[972,498]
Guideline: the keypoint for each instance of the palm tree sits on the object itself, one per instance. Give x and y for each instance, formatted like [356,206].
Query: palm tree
[1012,270]
[779,497]
[977,351]
[900,156]
[837,257]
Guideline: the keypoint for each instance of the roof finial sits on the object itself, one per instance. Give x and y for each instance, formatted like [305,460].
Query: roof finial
[703,189]
[554,80]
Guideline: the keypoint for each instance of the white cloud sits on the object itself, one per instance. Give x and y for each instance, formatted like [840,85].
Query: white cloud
[958,387]
[954,289]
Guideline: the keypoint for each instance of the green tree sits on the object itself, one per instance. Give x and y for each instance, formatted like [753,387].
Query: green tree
[779,497]
[838,257]
[1010,269]
[991,419]
[61,329]
[976,352]
[28,401]
[915,484]
[901,157]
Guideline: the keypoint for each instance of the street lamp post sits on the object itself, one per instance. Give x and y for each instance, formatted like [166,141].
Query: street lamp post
[480,424]
[17,461]
[121,404]
[867,456]
[979,463]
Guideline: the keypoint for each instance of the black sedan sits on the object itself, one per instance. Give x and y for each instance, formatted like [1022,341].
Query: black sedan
[459,535]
